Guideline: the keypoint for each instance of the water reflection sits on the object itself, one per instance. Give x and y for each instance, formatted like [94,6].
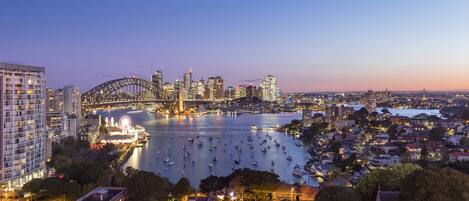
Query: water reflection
[219,143]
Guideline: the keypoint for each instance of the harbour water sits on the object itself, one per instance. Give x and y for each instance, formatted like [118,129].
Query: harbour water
[216,144]
[219,143]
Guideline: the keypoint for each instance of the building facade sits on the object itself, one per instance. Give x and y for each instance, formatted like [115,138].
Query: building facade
[23,132]
[72,100]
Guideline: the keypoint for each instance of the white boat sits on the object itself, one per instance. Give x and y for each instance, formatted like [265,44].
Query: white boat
[297,171]
[253,127]
[134,111]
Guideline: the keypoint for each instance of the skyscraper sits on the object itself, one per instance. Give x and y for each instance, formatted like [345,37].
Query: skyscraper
[269,88]
[187,80]
[23,118]
[157,79]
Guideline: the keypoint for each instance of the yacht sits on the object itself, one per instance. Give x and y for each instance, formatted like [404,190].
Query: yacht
[298,143]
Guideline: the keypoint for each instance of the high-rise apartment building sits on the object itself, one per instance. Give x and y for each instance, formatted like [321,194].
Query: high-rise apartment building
[269,88]
[23,117]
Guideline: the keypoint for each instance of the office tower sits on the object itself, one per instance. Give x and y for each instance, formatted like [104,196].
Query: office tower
[157,79]
[177,86]
[209,89]
[187,80]
[168,89]
[269,88]
[193,90]
[23,133]
[72,100]
[200,89]
[219,92]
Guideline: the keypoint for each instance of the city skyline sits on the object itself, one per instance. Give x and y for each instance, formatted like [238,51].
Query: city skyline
[309,46]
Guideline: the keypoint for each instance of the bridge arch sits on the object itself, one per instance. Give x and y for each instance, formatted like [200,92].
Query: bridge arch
[123,89]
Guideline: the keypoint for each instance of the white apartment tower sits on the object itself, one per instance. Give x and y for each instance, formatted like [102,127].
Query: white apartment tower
[269,88]
[23,134]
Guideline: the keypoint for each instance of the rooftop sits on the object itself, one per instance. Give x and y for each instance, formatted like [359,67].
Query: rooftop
[104,194]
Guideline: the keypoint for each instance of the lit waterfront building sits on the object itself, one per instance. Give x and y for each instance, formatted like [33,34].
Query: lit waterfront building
[269,88]
[23,133]
[157,80]
[240,91]
[168,89]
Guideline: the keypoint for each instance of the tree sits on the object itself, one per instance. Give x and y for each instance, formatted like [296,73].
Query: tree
[465,114]
[143,186]
[182,188]
[437,133]
[389,179]
[212,184]
[464,141]
[462,166]
[337,193]
[436,185]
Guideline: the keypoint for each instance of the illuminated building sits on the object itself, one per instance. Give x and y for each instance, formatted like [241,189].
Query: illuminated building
[72,100]
[240,91]
[187,80]
[200,89]
[23,133]
[269,88]
[230,93]
[251,91]
[214,88]
[168,89]
[157,80]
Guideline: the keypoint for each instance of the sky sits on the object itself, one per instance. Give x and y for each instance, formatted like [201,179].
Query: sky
[312,45]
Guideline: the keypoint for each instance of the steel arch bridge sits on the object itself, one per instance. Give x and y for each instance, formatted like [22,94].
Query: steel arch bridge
[124,90]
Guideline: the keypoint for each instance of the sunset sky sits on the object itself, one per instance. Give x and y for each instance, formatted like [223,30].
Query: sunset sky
[310,45]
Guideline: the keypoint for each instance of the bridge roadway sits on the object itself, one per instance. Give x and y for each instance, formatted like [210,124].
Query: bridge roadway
[122,102]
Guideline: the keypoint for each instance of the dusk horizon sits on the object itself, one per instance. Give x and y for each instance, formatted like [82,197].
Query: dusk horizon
[309,46]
